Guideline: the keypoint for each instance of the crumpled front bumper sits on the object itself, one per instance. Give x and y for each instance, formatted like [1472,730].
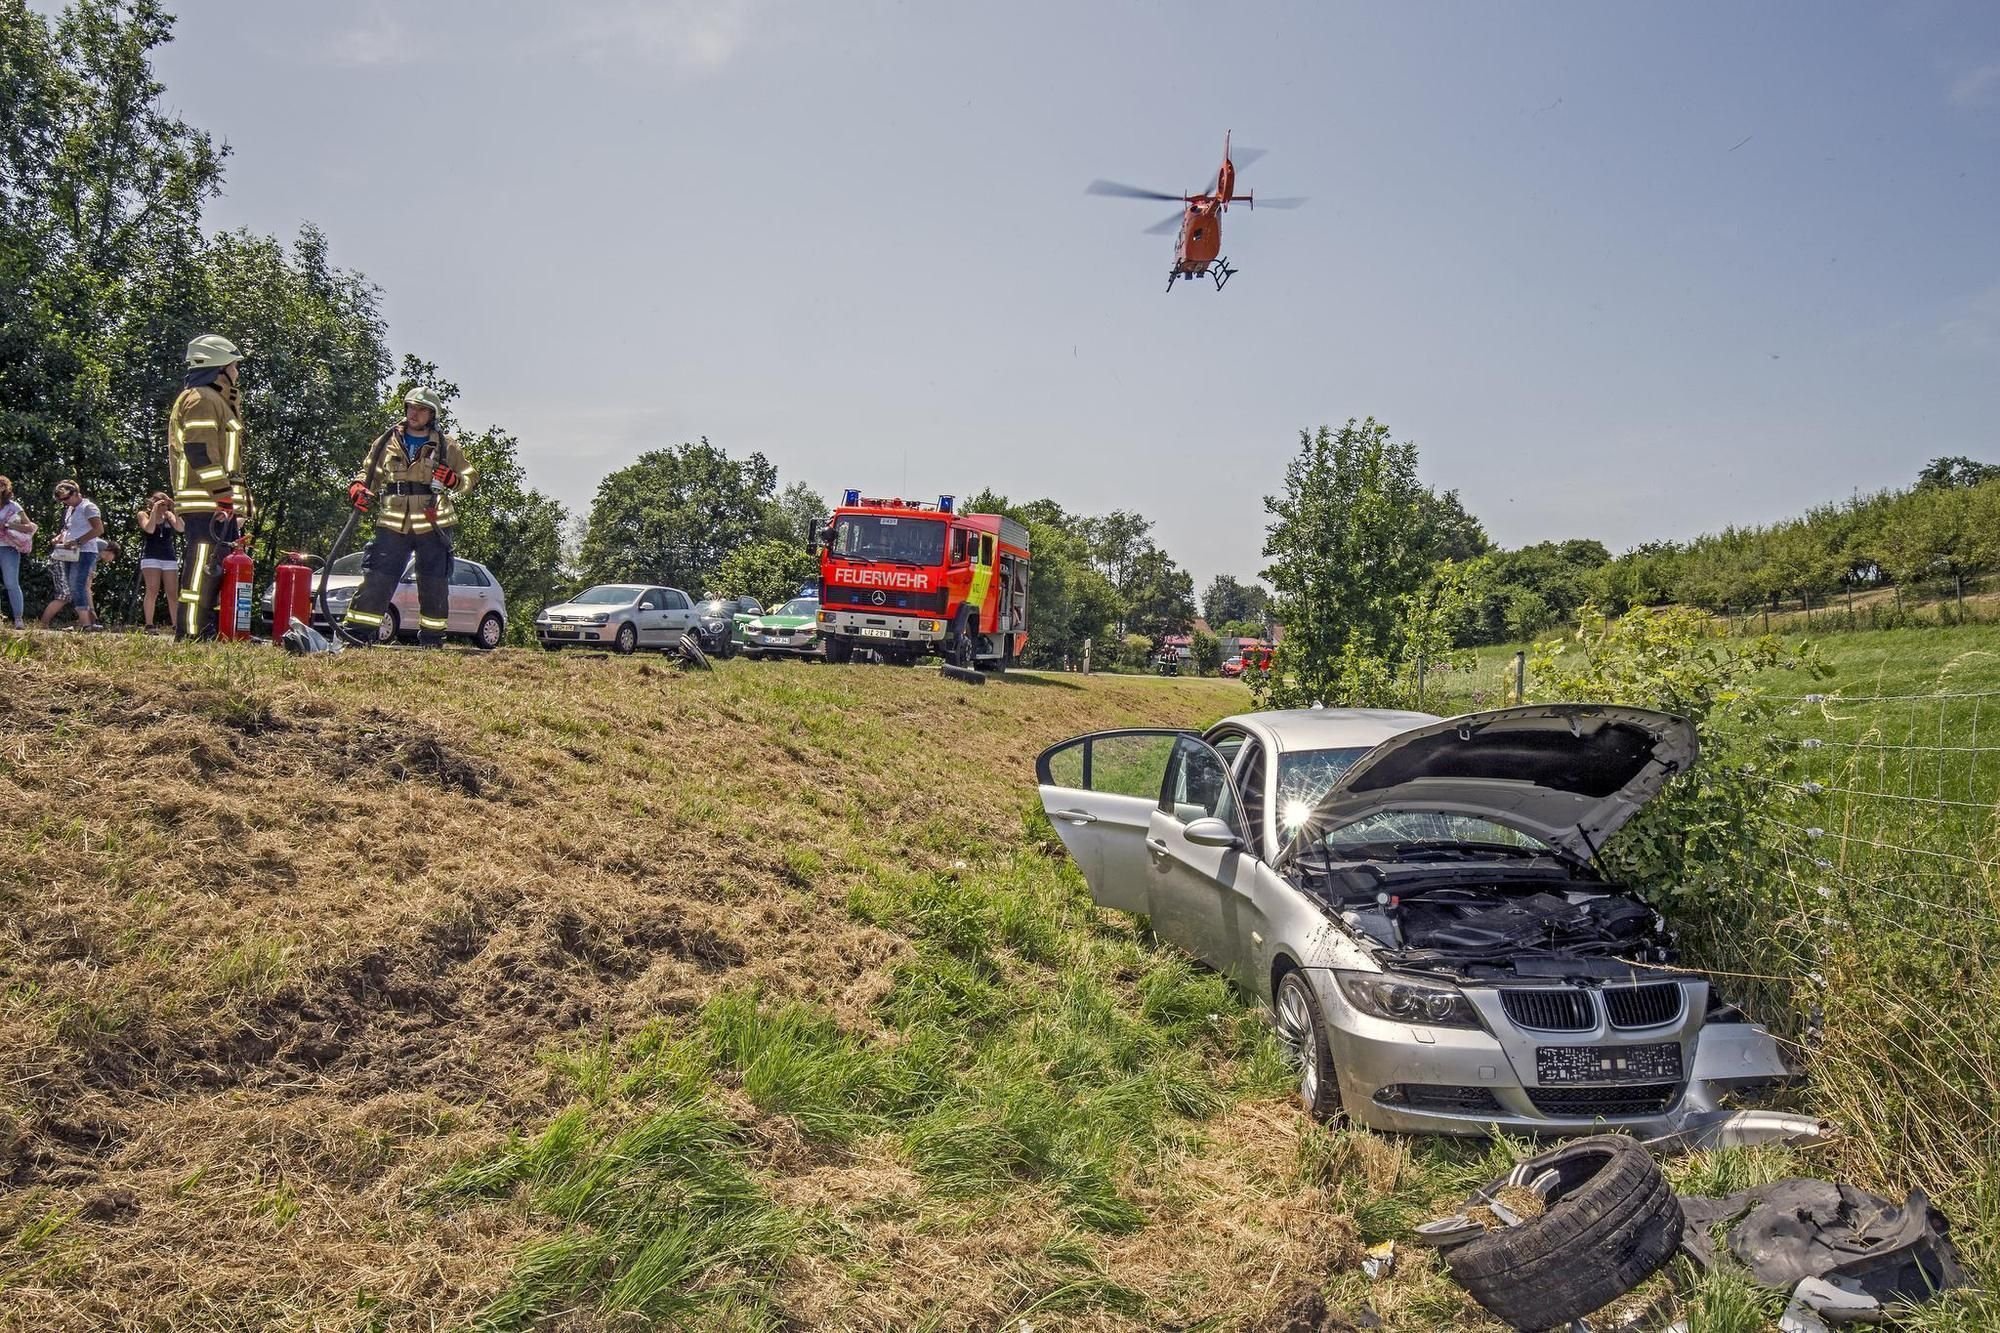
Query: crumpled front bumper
[1384,1066]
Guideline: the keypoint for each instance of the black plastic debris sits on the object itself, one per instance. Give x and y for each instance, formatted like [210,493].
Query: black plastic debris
[1795,1229]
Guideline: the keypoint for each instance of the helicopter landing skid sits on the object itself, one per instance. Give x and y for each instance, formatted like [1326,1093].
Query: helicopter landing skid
[1219,271]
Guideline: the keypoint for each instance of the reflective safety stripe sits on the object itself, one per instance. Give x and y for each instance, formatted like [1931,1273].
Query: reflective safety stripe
[213,473]
[191,597]
[229,448]
[197,423]
[361,617]
[431,622]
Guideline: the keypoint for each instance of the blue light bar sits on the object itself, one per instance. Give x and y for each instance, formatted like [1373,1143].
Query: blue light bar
[850,497]
[944,504]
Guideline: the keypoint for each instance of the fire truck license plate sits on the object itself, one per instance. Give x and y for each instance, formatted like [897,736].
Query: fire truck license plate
[875,633]
[1608,1064]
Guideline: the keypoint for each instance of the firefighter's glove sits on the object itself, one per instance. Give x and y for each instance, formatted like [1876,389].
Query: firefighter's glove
[445,477]
[359,495]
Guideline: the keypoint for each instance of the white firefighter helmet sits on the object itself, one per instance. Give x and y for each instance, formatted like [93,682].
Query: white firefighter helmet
[211,351]
[422,397]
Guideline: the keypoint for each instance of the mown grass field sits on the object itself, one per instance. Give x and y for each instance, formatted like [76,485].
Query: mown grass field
[419,991]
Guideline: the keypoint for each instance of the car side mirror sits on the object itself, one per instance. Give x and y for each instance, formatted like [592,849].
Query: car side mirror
[1211,832]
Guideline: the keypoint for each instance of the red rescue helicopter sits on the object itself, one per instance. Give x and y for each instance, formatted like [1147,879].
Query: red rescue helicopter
[1198,251]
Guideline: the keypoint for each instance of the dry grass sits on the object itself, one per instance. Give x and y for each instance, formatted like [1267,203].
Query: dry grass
[284,942]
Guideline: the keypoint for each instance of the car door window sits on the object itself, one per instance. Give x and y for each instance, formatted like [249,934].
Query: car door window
[677,600]
[463,575]
[1100,792]
[654,600]
[1119,763]
[1198,785]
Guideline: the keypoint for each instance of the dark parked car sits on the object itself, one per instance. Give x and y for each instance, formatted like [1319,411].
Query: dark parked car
[719,623]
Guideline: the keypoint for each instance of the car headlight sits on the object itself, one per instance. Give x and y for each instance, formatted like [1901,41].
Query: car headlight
[1404,1000]
[602,618]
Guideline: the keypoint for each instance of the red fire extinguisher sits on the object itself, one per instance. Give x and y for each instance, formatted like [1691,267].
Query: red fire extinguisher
[291,602]
[239,574]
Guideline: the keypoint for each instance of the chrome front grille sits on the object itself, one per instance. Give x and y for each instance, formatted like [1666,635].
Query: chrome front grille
[1565,1010]
[1647,1006]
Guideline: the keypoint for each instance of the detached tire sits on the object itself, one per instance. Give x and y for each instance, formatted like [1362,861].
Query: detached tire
[1613,1223]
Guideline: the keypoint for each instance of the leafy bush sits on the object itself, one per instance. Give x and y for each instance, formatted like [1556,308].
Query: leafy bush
[1707,831]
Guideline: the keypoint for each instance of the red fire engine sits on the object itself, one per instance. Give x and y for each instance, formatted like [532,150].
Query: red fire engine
[905,580]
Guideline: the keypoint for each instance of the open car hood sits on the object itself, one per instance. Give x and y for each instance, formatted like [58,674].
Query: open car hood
[1569,774]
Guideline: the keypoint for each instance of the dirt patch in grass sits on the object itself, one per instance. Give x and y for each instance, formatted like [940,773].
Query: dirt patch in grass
[277,953]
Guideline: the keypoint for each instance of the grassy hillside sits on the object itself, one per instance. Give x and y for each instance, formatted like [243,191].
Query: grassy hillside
[408,991]
[388,991]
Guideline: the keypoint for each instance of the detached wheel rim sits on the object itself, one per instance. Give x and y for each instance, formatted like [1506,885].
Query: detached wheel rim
[1295,1034]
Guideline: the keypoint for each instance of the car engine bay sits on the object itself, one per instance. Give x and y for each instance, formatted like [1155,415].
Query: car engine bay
[1489,922]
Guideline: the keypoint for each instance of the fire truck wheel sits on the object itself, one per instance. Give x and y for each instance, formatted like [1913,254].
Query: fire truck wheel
[839,649]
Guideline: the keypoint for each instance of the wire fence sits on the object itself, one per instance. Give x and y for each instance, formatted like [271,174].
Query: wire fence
[1885,811]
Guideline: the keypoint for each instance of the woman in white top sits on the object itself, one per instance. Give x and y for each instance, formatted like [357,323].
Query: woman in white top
[73,555]
[17,538]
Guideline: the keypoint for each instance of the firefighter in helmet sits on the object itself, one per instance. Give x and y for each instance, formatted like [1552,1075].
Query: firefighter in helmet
[421,472]
[205,474]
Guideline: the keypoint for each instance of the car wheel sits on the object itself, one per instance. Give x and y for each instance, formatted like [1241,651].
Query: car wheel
[628,638]
[1611,1221]
[490,631]
[1301,1032]
[391,627]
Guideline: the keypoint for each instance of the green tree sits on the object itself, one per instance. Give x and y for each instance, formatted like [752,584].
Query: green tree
[1116,542]
[1954,472]
[1450,533]
[1159,595]
[797,514]
[1229,601]
[100,201]
[1347,544]
[1206,652]
[675,514]
[771,571]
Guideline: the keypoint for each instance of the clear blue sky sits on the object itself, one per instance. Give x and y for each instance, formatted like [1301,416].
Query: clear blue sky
[1622,271]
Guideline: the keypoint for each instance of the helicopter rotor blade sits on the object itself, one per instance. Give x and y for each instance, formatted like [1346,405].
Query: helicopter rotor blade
[1118,191]
[1164,225]
[1294,202]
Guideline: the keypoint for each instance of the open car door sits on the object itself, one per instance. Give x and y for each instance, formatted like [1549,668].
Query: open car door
[1100,792]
